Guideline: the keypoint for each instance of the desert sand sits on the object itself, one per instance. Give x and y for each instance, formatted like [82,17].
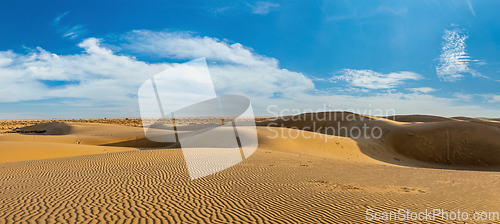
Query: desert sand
[93,172]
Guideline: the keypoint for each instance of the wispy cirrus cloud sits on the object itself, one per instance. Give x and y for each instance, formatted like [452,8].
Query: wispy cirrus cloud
[58,19]
[70,32]
[263,8]
[238,8]
[422,89]
[463,96]
[373,80]
[454,60]
[471,8]
[75,31]
[346,12]
[491,98]
[400,11]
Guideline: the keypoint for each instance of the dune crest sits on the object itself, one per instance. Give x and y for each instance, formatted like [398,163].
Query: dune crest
[443,142]
[52,128]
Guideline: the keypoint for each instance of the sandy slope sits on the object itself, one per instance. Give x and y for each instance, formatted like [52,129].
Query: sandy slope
[288,179]
[72,139]
[19,151]
[435,141]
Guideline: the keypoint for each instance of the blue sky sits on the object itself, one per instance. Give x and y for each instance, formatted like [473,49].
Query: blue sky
[65,59]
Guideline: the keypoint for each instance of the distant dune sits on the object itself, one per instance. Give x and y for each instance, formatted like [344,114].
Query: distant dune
[446,142]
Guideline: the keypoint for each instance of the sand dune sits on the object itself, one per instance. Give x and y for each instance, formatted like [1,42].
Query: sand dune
[435,141]
[295,176]
[71,139]
[52,128]
[418,118]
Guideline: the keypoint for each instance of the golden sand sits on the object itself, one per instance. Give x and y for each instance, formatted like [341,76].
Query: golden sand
[287,180]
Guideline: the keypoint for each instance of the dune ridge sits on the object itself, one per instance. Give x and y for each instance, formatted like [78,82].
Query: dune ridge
[445,142]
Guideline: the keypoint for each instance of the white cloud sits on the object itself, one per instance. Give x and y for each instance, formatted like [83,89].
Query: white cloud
[331,10]
[6,58]
[479,62]
[319,79]
[491,98]
[422,89]
[454,60]
[374,80]
[75,31]
[236,68]
[184,45]
[70,32]
[470,7]
[101,80]
[263,8]
[400,11]
[58,19]
[102,76]
[463,96]
[220,10]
